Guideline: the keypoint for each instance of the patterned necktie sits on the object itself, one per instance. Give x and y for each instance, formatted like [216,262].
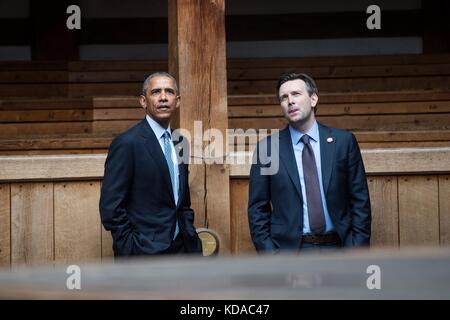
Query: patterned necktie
[314,201]
[168,156]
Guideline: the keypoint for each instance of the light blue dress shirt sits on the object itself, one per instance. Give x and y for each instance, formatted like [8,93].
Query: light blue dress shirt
[159,131]
[313,133]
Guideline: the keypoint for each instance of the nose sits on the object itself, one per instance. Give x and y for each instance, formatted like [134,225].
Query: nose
[163,95]
[290,100]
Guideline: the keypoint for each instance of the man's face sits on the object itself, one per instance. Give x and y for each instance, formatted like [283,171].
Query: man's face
[160,100]
[296,104]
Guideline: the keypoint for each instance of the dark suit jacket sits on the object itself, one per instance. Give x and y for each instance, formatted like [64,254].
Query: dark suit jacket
[137,203]
[275,208]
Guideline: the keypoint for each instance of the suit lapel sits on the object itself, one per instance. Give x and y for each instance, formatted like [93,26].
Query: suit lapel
[288,158]
[153,148]
[327,148]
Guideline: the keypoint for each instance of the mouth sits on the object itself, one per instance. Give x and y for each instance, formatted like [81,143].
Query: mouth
[163,108]
[292,111]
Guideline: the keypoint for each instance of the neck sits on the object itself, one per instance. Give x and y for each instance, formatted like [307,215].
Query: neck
[304,126]
[162,123]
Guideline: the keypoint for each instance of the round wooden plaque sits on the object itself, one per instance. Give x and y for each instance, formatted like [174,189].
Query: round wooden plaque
[210,241]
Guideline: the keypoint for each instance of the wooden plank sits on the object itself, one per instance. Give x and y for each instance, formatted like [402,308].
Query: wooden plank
[405,144]
[392,136]
[119,114]
[5,225]
[113,127]
[444,209]
[420,160]
[109,76]
[402,59]
[46,103]
[12,130]
[418,210]
[349,84]
[52,167]
[32,223]
[201,71]
[116,102]
[125,65]
[353,97]
[77,222]
[273,72]
[356,122]
[33,90]
[45,76]
[91,166]
[240,231]
[347,109]
[384,202]
[33,65]
[52,152]
[12,116]
[72,142]
[104,89]
[377,161]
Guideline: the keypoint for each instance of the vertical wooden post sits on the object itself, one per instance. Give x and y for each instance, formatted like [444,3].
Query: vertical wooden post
[197,58]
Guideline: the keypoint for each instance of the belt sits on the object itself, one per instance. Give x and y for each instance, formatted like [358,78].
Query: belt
[321,238]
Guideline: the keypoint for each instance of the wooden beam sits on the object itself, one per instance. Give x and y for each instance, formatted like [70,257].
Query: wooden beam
[197,58]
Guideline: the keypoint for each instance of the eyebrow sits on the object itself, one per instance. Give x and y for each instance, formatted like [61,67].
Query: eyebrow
[169,89]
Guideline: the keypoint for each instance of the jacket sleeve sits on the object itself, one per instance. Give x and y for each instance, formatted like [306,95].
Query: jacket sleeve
[359,200]
[259,207]
[115,188]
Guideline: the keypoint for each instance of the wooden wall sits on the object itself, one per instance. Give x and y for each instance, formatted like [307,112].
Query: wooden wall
[407,210]
[49,205]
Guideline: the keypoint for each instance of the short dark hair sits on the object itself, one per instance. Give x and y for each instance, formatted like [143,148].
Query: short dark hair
[311,86]
[158,74]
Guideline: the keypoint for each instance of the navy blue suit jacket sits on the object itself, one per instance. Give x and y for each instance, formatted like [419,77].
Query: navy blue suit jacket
[137,203]
[275,208]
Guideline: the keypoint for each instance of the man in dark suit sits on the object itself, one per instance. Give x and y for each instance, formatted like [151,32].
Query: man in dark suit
[318,198]
[145,200]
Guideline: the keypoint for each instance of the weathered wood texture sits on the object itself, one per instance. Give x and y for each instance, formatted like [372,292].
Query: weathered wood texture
[197,29]
[77,222]
[5,225]
[32,225]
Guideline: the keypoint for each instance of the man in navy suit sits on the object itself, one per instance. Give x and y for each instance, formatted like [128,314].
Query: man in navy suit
[145,200]
[318,198]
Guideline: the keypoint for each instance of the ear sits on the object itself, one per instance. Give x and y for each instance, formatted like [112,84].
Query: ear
[142,101]
[178,102]
[314,100]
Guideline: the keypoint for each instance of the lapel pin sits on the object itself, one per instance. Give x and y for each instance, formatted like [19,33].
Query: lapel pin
[330,140]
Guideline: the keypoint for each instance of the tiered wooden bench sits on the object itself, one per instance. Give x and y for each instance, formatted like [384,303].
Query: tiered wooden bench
[87,125]
[379,119]
[245,76]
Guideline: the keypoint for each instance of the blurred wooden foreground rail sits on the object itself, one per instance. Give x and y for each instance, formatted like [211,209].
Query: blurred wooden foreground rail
[400,274]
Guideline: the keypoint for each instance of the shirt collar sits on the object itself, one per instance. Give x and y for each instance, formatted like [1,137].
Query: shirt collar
[313,133]
[156,127]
